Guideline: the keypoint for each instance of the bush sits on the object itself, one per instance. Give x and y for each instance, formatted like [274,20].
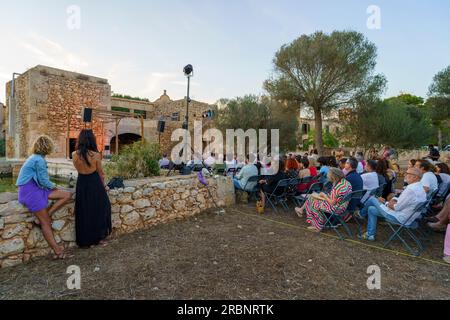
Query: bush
[135,161]
[2,147]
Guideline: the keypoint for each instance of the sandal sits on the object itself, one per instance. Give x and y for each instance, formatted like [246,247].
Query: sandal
[299,212]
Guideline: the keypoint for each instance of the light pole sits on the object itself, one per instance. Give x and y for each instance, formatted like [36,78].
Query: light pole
[188,72]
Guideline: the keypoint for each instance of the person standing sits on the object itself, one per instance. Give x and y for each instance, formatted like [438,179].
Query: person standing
[36,189]
[92,207]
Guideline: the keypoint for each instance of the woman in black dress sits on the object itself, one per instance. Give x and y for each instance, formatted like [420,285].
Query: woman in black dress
[92,207]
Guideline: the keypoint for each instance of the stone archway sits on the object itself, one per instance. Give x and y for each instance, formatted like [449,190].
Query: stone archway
[124,139]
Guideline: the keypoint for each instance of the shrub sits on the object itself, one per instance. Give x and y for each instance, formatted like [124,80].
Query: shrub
[2,147]
[135,161]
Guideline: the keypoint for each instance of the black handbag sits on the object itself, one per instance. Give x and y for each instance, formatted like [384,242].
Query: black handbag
[116,183]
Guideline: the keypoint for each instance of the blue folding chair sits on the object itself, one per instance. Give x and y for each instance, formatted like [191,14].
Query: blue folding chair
[408,229]
[335,220]
[278,195]
[299,200]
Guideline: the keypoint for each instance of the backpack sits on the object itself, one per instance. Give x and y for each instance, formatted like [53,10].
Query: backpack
[116,183]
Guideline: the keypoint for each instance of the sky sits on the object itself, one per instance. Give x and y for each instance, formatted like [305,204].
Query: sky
[141,47]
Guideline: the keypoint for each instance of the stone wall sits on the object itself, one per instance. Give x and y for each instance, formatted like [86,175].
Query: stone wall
[140,205]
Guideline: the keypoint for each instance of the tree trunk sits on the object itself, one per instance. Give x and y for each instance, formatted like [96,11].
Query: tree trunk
[318,128]
[440,138]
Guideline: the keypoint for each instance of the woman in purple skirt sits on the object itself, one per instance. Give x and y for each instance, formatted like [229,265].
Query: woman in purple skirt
[36,189]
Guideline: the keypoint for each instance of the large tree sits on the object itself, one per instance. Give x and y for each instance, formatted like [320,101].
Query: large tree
[439,102]
[390,122]
[255,112]
[325,72]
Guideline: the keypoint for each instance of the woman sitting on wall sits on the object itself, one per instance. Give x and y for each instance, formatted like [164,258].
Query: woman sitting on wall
[318,206]
[92,207]
[36,189]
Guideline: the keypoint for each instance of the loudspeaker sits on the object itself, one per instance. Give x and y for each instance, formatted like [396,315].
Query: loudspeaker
[161,126]
[87,115]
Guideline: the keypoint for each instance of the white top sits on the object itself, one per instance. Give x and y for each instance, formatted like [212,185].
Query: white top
[445,181]
[429,180]
[370,181]
[231,164]
[210,161]
[360,168]
[407,202]
[164,162]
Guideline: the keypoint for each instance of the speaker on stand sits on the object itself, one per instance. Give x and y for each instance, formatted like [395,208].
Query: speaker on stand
[161,128]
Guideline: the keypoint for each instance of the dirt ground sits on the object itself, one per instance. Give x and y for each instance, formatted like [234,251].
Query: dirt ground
[237,255]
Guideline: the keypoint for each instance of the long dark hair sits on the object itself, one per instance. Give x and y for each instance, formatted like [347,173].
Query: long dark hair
[86,142]
[382,167]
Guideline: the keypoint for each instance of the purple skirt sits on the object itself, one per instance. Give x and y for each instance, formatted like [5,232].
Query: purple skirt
[33,197]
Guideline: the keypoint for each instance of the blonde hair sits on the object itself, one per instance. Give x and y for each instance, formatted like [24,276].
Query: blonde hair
[43,145]
[335,175]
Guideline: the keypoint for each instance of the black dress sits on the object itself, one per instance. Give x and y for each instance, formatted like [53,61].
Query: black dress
[92,210]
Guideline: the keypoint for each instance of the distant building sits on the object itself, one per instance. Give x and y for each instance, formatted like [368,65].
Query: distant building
[50,101]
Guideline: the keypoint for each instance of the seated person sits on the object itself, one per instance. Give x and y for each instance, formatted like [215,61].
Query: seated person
[429,180]
[370,178]
[210,161]
[443,171]
[305,171]
[164,162]
[317,207]
[355,180]
[397,210]
[442,218]
[324,167]
[433,153]
[341,164]
[241,178]
[269,184]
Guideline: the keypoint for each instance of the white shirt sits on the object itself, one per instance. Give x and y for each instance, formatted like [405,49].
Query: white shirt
[210,161]
[429,180]
[231,164]
[370,181]
[445,181]
[360,168]
[407,202]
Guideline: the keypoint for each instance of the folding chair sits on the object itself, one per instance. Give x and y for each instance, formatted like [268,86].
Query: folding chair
[231,172]
[291,190]
[300,199]
[276,196]
[431,198]
[327,187]
[408,228]
[335,220]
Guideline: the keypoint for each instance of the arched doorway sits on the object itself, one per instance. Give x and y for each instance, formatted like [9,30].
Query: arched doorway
[124,139]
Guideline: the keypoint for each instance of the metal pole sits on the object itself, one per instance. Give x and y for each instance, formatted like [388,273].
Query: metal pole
[117,136]
[185,151]
[142,129]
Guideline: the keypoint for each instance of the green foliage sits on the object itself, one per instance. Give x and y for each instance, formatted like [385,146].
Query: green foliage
[253,112]
[391,123]
[135,161]
[407,98]
[441,84]
[121,96]
[2,147]
[438,105]
[329,140]
[326,71]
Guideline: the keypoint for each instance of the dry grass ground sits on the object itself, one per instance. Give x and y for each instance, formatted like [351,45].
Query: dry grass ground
[238,255]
